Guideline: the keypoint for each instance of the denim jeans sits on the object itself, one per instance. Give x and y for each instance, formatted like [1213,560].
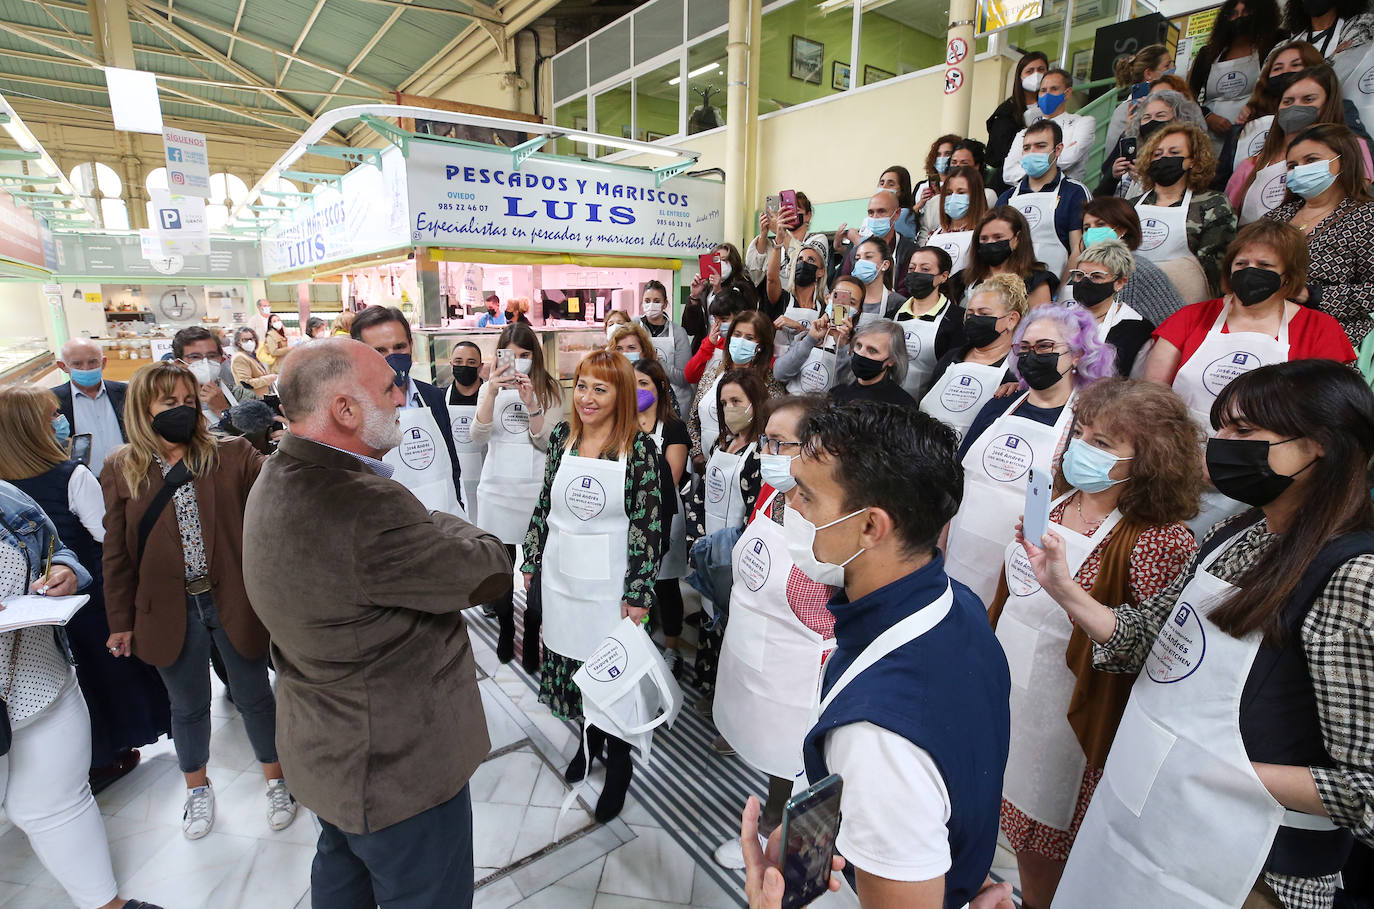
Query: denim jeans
[188,686]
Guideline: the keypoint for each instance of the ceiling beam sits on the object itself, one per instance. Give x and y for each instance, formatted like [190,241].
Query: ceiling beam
[238,17]
[111,23]
[24,32]
[233,109]
[362,55]
[477,10]
[309,24]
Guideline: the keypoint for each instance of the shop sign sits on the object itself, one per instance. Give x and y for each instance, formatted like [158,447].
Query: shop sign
[180,223]
[188,162]
[995,15]
[477,198]
[368,216]
[20,236]
[121,256]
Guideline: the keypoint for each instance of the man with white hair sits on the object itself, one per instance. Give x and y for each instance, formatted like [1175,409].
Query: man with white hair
[379,721]
[89,402]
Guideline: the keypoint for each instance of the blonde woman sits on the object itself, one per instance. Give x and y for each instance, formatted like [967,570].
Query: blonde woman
[177,586]
[342,324]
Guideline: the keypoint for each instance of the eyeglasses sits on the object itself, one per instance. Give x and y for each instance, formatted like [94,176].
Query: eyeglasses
[1041,347]
[1100,277]
[775,446]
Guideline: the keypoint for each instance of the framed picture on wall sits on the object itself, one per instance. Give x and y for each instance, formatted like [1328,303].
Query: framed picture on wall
[808,59]
[1082,65]
[839,76]
[873,74]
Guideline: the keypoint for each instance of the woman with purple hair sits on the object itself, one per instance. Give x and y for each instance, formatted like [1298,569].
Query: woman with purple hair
[1054,353]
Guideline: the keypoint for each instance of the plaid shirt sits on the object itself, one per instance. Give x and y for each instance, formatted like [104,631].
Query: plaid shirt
[1338,638]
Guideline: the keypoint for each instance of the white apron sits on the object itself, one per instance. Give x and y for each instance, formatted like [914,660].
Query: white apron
[513,472]
[1355,69]
[708,415]
[1265,194]
[470,454]
[1220,358]
[724,498]
[1046,763]
[421,462]
[1039,209]
[586,555]
[1164,230]
[1251,139]
[770,663]
[1180,818]
[920,350]
[817,374]
[961,392]
[667,356]
[785,338]
[674,564]
[957,243]
[1229,85]
[995,470]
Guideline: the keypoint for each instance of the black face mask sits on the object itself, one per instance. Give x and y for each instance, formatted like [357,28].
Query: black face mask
[1090,293]
[1039,370]
[919,284]
[804,275]
[866,369]
[1316,8]
[1240,25]
[981,331]
[1166,171]
[1279,84]
[1239,468]
[1149,129]
[994,253]
[1255,285]
[177,424]
[465,375]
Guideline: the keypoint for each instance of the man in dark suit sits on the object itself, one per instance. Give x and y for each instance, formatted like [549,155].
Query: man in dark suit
[424,413]
[89,402]
[379,720]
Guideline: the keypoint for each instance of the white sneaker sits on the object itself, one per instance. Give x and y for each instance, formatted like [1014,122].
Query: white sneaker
[198,815]
[729,854]
[281,805]
[672,657]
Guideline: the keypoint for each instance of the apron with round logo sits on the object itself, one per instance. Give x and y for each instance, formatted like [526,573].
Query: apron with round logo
[708,416]
[724,498]
[961,392]
[470,454]
[1039,209]
[955,242]
[920,350]
[1220,358]
[421,463]
[1265,194]
[1164,241]
[1355,69]
[1229,85]
[512,473]
[1251,139]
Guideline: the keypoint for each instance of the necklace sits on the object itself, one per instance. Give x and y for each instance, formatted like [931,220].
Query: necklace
[1313,221]
[1089,527]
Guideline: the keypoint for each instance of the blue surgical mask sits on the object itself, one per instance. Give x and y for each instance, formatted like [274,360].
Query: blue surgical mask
[742,351]
[942,164]
[1036,164]
[61,428]
[776,470]
[1087,467]
[865,271]
[1311,179]
[631,355]
[1097,235]
[1050,102]
[956,204]
[86,378]
[878,227]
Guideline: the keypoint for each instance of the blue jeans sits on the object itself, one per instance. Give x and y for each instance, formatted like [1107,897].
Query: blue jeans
[188,686]
[423,862]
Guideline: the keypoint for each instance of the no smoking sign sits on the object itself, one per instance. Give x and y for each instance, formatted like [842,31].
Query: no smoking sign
[958,50]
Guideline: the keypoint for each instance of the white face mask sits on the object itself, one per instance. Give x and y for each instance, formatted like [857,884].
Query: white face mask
[653,308]
[801,540]
[1031,83]
[205,371]
[248,346]
[524,365]
[725,271]
[611,329]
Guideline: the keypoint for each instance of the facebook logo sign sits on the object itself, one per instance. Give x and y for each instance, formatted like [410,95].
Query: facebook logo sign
[170,218]
[174,154]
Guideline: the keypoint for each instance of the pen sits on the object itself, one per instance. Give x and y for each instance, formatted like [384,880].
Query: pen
[47,569]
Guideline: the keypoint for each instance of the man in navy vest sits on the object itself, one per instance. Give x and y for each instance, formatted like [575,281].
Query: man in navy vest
[915,721]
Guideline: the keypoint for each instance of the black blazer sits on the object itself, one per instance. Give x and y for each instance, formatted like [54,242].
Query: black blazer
[115,390]
[434,399]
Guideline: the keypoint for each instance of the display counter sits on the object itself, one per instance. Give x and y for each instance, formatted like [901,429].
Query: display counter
[24,360]
[564,345]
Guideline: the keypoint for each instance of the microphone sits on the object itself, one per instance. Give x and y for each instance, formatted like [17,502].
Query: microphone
[251,417]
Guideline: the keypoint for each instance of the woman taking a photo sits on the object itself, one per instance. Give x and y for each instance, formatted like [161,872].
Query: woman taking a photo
[1004,247]
[731,282]
[747,344]
[174,583]
[245,366]
[670,341]
[1148,64]
[1010,116]
[597,552]
[520,406]
[804,303]
[1329,202]
[1243,746]
[1148,290]
[813,361]
[1103,270]
[1128,479]
[658,418]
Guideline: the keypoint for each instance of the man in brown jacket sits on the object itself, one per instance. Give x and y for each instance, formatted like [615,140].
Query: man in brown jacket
[379,721]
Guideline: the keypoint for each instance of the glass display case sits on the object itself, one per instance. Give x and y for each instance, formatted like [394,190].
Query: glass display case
[24,360]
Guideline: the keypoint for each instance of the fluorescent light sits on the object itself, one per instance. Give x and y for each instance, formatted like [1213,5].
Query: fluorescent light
[21,135]
[133,100]
[692,74]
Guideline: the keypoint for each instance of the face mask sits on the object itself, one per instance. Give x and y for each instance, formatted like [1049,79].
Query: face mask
[1090,293]
[1036,164]
[1049,102]
[956,205]
[1240,24]
[866,369]
[644,399]
[776,470]
[61,428]
[1315,9]
[981,331]
[465,375]
[1278,84]
[86,378]
[1166,171]
[737,416]
[523,365]
[400,363]
[1149,129]
[1312,179]
[726,271]
[1240,469]
[177,424]
[491,310]
[1098,235]
[994,252]
[942,164]
[275,326]
[653,308]
[1087,467]
[878,227]
[248,346]
[801,542]
[804,275]
[631,355]
[919,284]
[742,351]
[1041,371]
[1295,118]
[205,371]
[1031,82]
[865,271]
[1255,285]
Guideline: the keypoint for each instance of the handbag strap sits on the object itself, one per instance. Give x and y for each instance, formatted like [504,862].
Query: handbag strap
[177,477]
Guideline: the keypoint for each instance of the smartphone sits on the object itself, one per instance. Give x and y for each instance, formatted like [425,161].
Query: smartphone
[81,448]
[505,357]
[810,824]
[1140,90]
[1036,520]
[709,265]
[788,197]
[1130,147]
[772,204]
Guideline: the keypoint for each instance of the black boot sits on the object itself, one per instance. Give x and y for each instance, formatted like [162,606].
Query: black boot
[505,639]
[578,766]
[534,618]
[619,769]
